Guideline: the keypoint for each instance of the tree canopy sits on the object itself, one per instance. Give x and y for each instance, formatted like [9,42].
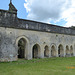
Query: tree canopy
[72,27]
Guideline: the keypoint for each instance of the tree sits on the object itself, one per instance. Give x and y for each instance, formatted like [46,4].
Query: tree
[72,27]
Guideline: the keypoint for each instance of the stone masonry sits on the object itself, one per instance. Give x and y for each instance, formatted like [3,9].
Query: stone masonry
[41,40]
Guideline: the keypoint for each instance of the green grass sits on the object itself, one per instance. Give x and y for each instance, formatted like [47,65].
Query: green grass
[47,66]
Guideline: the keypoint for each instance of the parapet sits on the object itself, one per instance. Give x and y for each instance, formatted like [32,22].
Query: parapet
[44,27]
[7,18]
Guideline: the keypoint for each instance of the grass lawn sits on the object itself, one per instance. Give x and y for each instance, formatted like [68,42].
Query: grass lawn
[47,66]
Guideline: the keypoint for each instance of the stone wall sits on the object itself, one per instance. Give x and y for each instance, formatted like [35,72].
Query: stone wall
[8,19]
[44,36]
[10,37]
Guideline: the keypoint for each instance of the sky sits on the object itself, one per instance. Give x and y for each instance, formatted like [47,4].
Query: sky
[58,12]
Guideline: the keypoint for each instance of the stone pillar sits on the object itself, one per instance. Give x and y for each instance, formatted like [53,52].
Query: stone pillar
[64,48]
[74,50]
[29,52]
[57,52]
[49,52]
[41,51]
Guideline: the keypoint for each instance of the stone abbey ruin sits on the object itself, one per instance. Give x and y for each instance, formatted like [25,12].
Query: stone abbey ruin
[20,38]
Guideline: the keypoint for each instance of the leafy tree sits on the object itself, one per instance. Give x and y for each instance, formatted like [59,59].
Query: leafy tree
[72,27]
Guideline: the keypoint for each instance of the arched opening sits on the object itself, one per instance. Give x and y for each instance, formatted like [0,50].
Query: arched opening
[71,50]
[46,51]
[67,51]
[53,51]
[36,51]
[21,48]
[60,51]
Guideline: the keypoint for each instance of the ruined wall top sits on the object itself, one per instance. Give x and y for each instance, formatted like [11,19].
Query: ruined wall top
[8,19]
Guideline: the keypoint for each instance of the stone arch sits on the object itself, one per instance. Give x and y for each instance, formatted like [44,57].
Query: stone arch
[53,51]
[36,51]
[60,50]
[21,48]
[21,45]
[67,51]
[46,51]
[71,50]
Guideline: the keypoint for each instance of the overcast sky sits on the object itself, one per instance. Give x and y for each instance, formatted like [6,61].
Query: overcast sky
[59,12]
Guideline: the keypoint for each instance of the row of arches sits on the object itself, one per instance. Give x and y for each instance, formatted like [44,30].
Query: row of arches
[48,52]
[53,51]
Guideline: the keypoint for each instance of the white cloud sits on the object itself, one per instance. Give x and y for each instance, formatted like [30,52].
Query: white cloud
[47,10]
[69,15]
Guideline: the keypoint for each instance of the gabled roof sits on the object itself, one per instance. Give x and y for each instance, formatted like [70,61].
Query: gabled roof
[12,7]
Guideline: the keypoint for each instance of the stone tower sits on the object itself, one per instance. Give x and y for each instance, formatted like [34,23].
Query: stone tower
[12,7]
